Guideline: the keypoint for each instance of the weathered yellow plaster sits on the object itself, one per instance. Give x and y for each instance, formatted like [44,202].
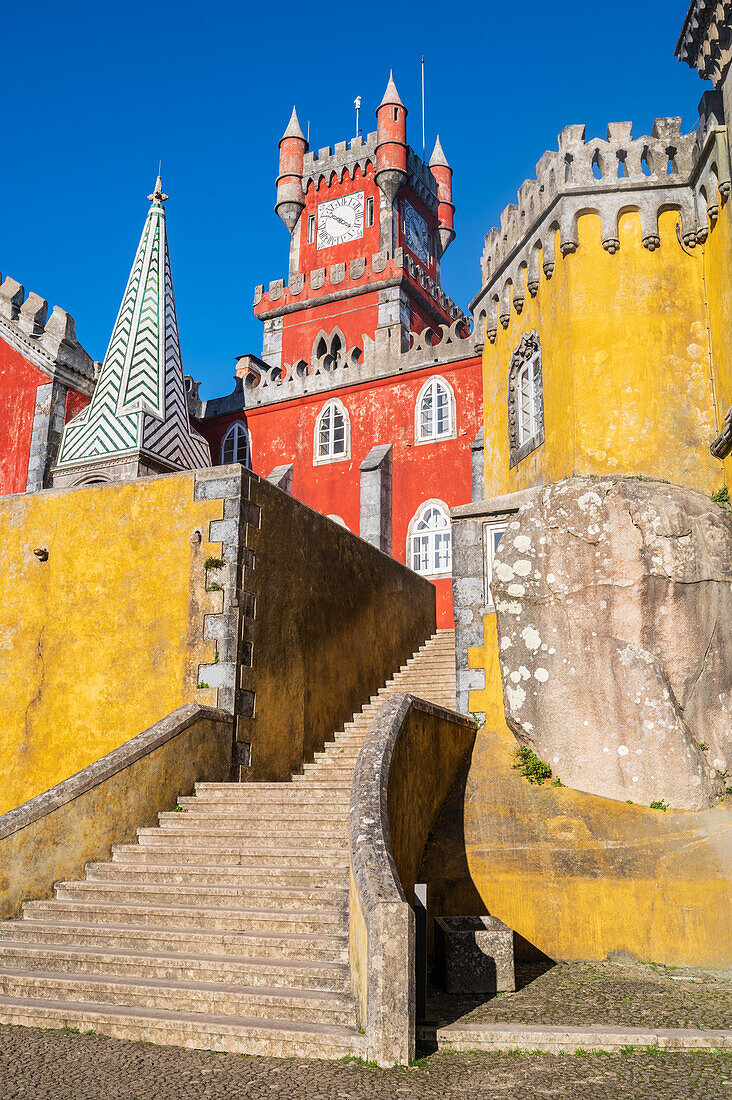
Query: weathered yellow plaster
[625,358]
[104,638]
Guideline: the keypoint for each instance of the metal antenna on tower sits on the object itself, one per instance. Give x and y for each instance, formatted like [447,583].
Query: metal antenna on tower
[422,106]
[357,105]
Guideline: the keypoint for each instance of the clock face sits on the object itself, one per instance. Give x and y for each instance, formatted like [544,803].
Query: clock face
[416,233]
[340,220]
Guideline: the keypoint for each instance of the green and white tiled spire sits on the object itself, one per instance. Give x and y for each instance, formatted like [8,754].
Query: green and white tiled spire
[137,421]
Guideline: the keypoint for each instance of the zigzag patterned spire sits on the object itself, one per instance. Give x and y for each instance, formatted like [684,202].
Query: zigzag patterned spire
[139,404]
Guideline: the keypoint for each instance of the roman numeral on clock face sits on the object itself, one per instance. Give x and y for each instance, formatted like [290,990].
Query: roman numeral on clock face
[340,220]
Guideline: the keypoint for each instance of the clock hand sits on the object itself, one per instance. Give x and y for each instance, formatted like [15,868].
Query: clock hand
[339,220]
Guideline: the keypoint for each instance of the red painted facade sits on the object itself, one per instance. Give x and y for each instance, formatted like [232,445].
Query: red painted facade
[19,381]
[379,412]
[376,288]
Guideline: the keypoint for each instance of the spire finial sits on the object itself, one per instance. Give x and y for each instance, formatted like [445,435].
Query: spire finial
[157,195]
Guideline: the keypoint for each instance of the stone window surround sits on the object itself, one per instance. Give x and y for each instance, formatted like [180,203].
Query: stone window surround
[529,347]
[433,502]
[495,521]
[323,460]
[247,459]
[421,440]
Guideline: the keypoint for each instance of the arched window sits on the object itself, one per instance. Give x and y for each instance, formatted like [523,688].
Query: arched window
[235,445]
[332,433]
[525,400]
[429,549]
[435,412]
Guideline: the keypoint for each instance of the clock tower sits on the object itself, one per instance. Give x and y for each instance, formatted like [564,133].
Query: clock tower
[369,221]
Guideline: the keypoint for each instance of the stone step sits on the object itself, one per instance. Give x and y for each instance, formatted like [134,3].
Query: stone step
[136,962]
[229,810]
[266,877]
[189,834]
[241,896]
[239,1035]
[263,790]
[216,997]
[229,855]
[230,815]
[303,921]
[199,941]
[198,852]
[331,796]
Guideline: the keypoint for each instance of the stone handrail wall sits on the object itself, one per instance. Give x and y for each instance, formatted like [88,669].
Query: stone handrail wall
[53,835]
[406,767]
[668,170]
[48,342]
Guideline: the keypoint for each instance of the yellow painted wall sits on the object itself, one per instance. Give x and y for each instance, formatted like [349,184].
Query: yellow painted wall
[625,356]
[717,254]
[575,874]
[104,638]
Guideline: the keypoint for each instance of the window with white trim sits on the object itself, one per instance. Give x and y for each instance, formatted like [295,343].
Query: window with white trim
[235,445]
[430,541]
[525,399]
[311,228]
[492,535]
[435,412]
[528,405]
[332,433]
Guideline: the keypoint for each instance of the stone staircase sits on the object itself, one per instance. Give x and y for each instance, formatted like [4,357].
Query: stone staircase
[224,928]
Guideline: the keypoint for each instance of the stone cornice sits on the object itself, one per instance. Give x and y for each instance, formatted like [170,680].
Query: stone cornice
[705,42]
[688,173]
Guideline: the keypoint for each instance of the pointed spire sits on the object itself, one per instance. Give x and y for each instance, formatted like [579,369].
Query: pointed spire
[137,421]
[391,95]
[157,195]
[294,128]
[438,158]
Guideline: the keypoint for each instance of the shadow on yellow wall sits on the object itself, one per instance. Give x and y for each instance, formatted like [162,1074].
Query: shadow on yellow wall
[574,874]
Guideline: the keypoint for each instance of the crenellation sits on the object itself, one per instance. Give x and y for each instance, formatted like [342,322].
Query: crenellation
[664,170]
[266,384]
[51,344]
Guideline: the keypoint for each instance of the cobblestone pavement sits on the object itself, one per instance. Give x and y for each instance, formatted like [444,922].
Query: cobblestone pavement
[630,994]
[56,1065]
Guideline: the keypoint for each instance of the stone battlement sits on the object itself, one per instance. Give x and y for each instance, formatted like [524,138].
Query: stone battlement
[346,156]
[49,343]
[361,272]
[664,170]
[379,358]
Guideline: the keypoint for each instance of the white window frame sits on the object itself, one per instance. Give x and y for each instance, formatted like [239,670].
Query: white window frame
[530,369]
[321,459]
[490,529]
[432,385]
[311,229]
[432,570]
[370,212]
[238,427]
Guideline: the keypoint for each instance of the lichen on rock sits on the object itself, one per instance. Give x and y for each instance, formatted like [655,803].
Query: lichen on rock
[625,627]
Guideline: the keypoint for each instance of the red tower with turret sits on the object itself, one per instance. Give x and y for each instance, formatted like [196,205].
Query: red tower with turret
[366,401]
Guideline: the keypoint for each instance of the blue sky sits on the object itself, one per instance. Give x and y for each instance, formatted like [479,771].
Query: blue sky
[96,94]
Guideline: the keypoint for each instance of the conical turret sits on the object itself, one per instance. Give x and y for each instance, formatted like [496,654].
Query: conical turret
[442,173]
[137,421]
[290,198]
[391,145]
